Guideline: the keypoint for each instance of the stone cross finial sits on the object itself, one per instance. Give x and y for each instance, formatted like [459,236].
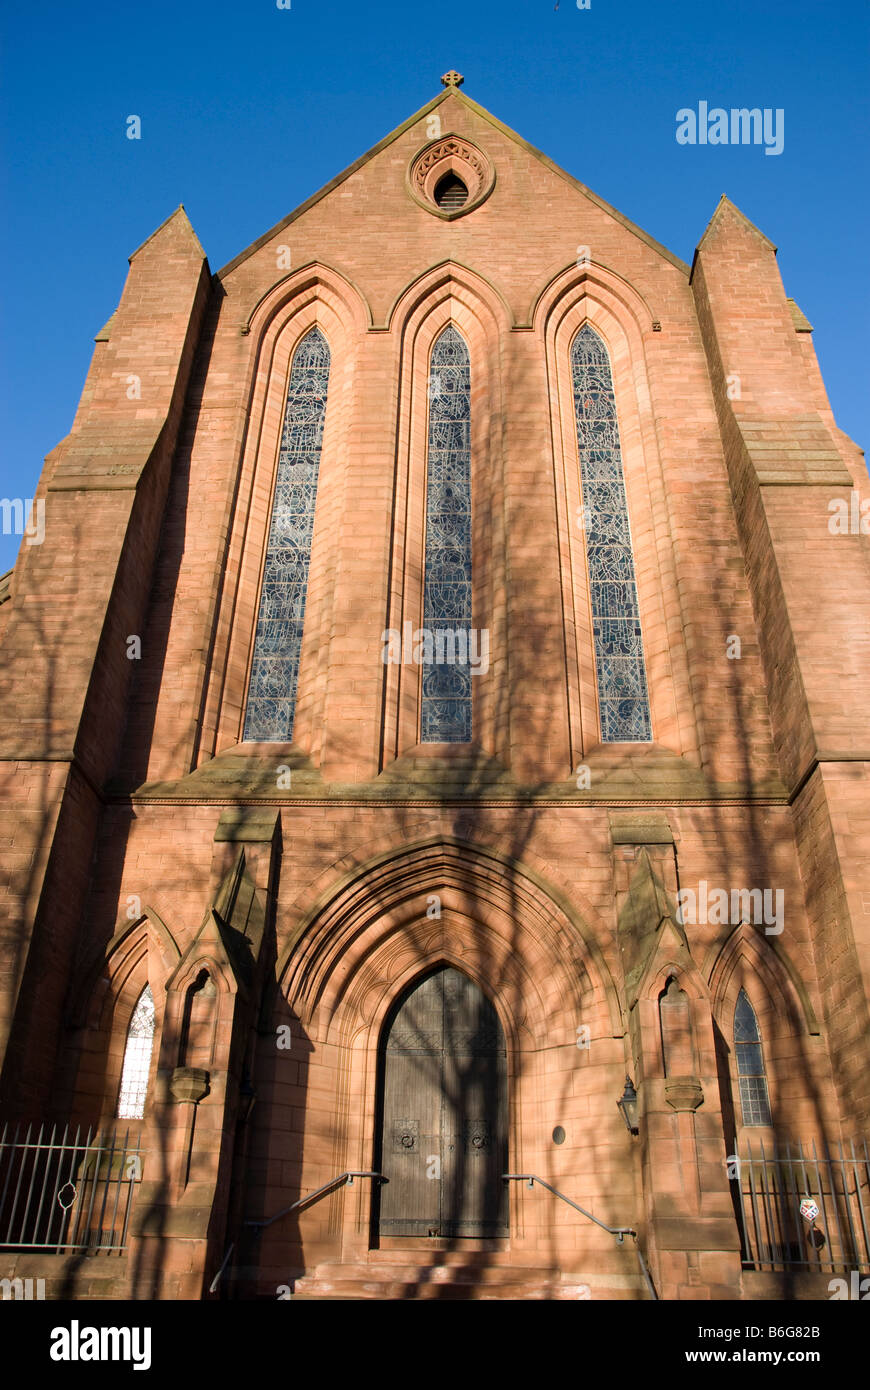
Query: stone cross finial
[452,79]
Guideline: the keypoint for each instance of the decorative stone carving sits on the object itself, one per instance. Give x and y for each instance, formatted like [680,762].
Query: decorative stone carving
[189,1084]
[684,1093]
[456,155]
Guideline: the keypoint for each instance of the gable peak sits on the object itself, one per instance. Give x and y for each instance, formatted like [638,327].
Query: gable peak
[176,221]
[725,207]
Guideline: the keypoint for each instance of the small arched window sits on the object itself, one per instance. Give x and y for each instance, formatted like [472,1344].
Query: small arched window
[137,1058]
[451,193]
[754,1098]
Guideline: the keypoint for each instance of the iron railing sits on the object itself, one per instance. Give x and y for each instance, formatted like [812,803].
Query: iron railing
[768,1189]
[64,1192]
[619,1231]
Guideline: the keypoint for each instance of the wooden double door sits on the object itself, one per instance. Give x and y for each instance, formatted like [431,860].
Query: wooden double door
[444,1113]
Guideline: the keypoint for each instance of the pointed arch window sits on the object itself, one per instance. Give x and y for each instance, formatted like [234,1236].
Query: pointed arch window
[446,696]
[278,643]
[619,661]
[754,1098]
[137,1058]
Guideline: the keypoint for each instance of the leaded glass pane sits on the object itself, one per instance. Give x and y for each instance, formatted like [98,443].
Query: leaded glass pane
[754,1098]
[745,1022]
[749,1059]
[137,1058]
[622,687]
[278,642]
[446,699]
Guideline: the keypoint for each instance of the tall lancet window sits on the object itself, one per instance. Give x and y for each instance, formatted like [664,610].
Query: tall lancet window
[278,643]
[754,1099]
[137,1058]
[622,689]
[446,700]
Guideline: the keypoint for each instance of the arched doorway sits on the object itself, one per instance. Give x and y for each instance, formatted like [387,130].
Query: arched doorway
[443,1108]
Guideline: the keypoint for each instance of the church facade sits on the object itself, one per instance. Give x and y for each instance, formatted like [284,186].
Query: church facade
[434,754]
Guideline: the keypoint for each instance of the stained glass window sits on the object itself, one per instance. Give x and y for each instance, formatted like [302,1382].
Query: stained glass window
[622,688]
[754,1099]
[137,1058]
[278,643]
[446,701]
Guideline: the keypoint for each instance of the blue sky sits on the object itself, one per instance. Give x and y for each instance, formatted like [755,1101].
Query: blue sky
[247,109]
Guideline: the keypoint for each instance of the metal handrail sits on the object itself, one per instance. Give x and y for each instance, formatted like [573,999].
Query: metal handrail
[216,1280]
[345,1178]
[618,1231]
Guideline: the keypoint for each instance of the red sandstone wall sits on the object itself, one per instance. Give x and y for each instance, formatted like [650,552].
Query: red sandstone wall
[726,759]
[690,569]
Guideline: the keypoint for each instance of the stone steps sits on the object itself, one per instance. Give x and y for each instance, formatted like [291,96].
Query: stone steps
[458,1279]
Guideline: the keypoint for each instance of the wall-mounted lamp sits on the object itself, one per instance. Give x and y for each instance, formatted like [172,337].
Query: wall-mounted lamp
[628,1105]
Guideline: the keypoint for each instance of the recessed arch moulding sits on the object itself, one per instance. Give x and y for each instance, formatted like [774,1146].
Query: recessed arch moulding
[319,295]
[315,295]
[354,953]
[103,996]
[449,293]
[791,1033]
[623,320]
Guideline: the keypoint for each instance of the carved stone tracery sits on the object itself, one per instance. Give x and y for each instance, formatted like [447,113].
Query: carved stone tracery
[451,154]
